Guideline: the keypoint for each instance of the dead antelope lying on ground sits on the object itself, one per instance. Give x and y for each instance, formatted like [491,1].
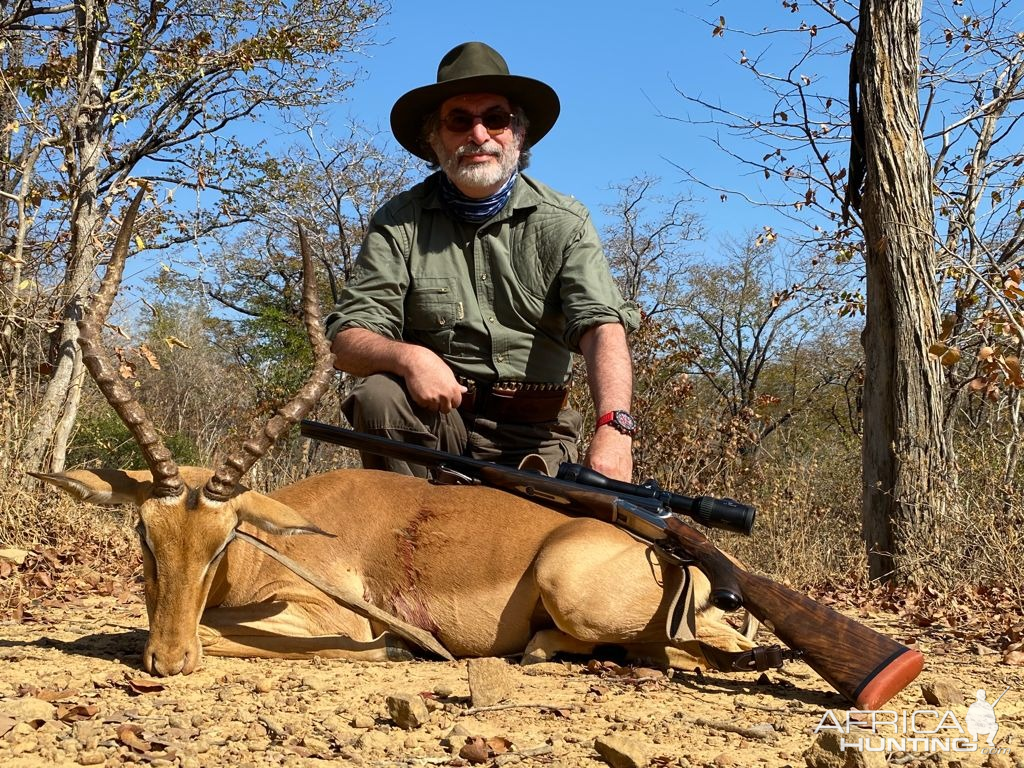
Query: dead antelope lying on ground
[484,572]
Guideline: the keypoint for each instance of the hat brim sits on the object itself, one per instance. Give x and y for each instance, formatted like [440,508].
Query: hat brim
[537,99]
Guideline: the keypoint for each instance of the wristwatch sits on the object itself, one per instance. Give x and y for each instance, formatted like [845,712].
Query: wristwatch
[621,420]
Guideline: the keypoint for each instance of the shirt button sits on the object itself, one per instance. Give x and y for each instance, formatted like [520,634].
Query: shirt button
[483,278]
[501,358]
[490,319]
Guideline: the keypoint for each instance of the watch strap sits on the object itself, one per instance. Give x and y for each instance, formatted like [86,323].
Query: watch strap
[620,420]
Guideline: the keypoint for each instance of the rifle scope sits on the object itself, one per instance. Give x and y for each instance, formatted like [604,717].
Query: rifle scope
[725,514]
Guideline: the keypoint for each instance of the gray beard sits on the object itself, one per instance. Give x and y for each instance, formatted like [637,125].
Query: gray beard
[478,175]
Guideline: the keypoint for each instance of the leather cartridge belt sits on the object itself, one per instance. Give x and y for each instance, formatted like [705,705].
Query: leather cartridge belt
[519,402]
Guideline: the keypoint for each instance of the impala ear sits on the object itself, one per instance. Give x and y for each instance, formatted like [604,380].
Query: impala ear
[272,516]
[108,487]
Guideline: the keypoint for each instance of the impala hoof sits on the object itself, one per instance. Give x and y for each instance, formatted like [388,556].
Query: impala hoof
[397,650]
[536,656]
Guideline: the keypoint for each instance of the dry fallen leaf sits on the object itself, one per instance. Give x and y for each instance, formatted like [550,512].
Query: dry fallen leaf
[131,736]
[75,712]
[140,685]
[1015,658]
[499,745]
[475,750]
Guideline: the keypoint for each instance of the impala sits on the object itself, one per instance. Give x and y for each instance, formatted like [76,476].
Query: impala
[474,571]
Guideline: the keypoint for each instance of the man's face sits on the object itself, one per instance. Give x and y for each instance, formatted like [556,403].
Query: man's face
[478,160]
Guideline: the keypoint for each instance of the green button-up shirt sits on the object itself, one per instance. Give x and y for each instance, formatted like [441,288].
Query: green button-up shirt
[507,299]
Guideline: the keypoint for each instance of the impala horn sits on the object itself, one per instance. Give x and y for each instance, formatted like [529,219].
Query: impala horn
[222,484]
[166,480]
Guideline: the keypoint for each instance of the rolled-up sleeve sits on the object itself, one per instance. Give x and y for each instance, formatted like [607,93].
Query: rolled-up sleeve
[589,294]
[374,297]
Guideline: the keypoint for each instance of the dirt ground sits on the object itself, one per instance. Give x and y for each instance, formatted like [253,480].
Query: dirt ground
[72,692]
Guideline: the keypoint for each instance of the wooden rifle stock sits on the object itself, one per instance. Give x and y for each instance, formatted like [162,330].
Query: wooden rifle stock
[865,666]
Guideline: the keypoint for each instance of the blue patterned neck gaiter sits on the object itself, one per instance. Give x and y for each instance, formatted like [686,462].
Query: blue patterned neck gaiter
[469,209]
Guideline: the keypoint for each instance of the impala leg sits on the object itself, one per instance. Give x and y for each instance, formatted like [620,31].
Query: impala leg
[250,631]
[544,645]
[682,656]
[617,599]
[547,643]
[598,586]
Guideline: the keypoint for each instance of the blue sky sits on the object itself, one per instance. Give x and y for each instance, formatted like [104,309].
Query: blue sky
[615,67]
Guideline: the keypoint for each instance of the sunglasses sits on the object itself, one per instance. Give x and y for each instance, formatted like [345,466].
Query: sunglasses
[460,121]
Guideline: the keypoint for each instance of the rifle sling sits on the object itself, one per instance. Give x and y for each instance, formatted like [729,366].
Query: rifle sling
[681,626]
[758,659]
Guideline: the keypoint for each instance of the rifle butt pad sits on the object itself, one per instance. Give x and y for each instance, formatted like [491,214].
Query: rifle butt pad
[889,679]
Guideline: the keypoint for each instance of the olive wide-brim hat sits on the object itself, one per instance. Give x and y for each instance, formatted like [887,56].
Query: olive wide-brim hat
[473,68]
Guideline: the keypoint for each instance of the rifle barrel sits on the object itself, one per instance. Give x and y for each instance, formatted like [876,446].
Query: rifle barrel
[576,488]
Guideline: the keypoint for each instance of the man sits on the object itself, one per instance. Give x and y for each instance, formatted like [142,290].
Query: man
[474,288]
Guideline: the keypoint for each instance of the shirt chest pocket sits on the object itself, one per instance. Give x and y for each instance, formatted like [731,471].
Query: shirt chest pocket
[536,260]
[432,304]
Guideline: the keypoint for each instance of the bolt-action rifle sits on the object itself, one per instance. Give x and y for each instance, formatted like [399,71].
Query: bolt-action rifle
[865,666]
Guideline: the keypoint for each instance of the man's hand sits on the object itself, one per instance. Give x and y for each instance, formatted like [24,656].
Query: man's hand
[611,454]
[430,381]
[428,378]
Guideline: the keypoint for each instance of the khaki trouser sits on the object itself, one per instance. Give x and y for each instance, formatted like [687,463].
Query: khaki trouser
[380,405]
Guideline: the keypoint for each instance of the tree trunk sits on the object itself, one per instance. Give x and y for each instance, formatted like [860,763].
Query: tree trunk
[45,446]
[906,456]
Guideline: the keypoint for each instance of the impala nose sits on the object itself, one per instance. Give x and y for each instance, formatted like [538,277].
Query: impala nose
[168,663]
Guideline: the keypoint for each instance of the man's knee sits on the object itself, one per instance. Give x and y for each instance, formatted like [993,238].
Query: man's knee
[376,401]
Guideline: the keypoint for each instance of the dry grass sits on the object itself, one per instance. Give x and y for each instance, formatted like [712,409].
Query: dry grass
[46,517]
[809,518]
[807,530]
[979,536]
[71,546]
